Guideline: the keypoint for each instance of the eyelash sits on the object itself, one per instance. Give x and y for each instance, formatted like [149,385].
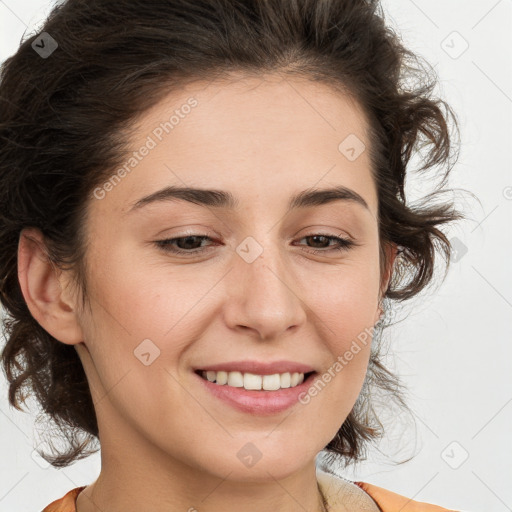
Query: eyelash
[165,245]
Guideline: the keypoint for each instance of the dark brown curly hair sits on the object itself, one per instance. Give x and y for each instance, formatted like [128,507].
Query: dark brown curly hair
[64,125]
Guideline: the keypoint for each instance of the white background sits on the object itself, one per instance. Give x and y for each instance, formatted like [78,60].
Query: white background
[454,345]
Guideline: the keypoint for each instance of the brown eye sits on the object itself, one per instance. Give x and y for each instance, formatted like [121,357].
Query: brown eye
[343,244]
[190,244]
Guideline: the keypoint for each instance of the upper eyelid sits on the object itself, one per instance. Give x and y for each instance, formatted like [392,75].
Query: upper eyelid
[340,243]
[212,236]
[311,230]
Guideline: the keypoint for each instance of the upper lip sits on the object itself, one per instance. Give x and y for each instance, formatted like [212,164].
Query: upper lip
[263,368]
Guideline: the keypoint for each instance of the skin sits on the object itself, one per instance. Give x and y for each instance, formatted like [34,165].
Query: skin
[167,444]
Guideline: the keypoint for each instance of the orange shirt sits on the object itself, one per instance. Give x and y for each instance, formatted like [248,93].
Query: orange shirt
[390,502]
[67,503]
[331,485]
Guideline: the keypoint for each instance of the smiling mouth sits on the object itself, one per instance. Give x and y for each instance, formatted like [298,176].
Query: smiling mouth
[255,382]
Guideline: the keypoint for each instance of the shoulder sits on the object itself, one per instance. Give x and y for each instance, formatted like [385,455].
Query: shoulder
[388,501]
[65,504]
[341,496]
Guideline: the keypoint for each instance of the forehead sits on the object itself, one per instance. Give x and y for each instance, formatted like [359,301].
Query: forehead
[263,135]
[251,110]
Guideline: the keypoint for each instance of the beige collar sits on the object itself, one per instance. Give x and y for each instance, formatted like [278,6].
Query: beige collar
[342,495]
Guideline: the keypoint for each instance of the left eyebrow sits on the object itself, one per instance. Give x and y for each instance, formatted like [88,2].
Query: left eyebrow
[224,199]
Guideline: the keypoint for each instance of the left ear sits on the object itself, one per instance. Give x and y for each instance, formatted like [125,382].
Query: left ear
[391,251]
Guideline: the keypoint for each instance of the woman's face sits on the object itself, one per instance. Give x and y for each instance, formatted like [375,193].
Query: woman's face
[257,281]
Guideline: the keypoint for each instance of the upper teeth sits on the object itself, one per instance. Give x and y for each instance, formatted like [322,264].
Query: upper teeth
[251,381]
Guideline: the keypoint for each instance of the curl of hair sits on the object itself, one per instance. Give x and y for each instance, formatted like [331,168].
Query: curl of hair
[65,121]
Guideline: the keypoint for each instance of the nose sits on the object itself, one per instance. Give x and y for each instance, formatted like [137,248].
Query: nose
[263,296]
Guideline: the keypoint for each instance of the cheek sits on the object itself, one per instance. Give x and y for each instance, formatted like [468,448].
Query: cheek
[345,301]
[142,298]
[132,308]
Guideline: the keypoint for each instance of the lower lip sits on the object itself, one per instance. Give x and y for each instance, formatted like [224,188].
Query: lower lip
[258,402]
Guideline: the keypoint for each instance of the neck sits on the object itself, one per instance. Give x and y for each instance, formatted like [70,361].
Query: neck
[136,475]
[286,495]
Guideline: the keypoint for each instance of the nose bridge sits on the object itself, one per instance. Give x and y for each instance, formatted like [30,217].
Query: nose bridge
[266,296]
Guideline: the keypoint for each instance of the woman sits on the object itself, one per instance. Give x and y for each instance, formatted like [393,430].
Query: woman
[202,219]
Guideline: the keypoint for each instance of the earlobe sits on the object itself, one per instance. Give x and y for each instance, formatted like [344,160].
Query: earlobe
[41,284]
[392,252]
